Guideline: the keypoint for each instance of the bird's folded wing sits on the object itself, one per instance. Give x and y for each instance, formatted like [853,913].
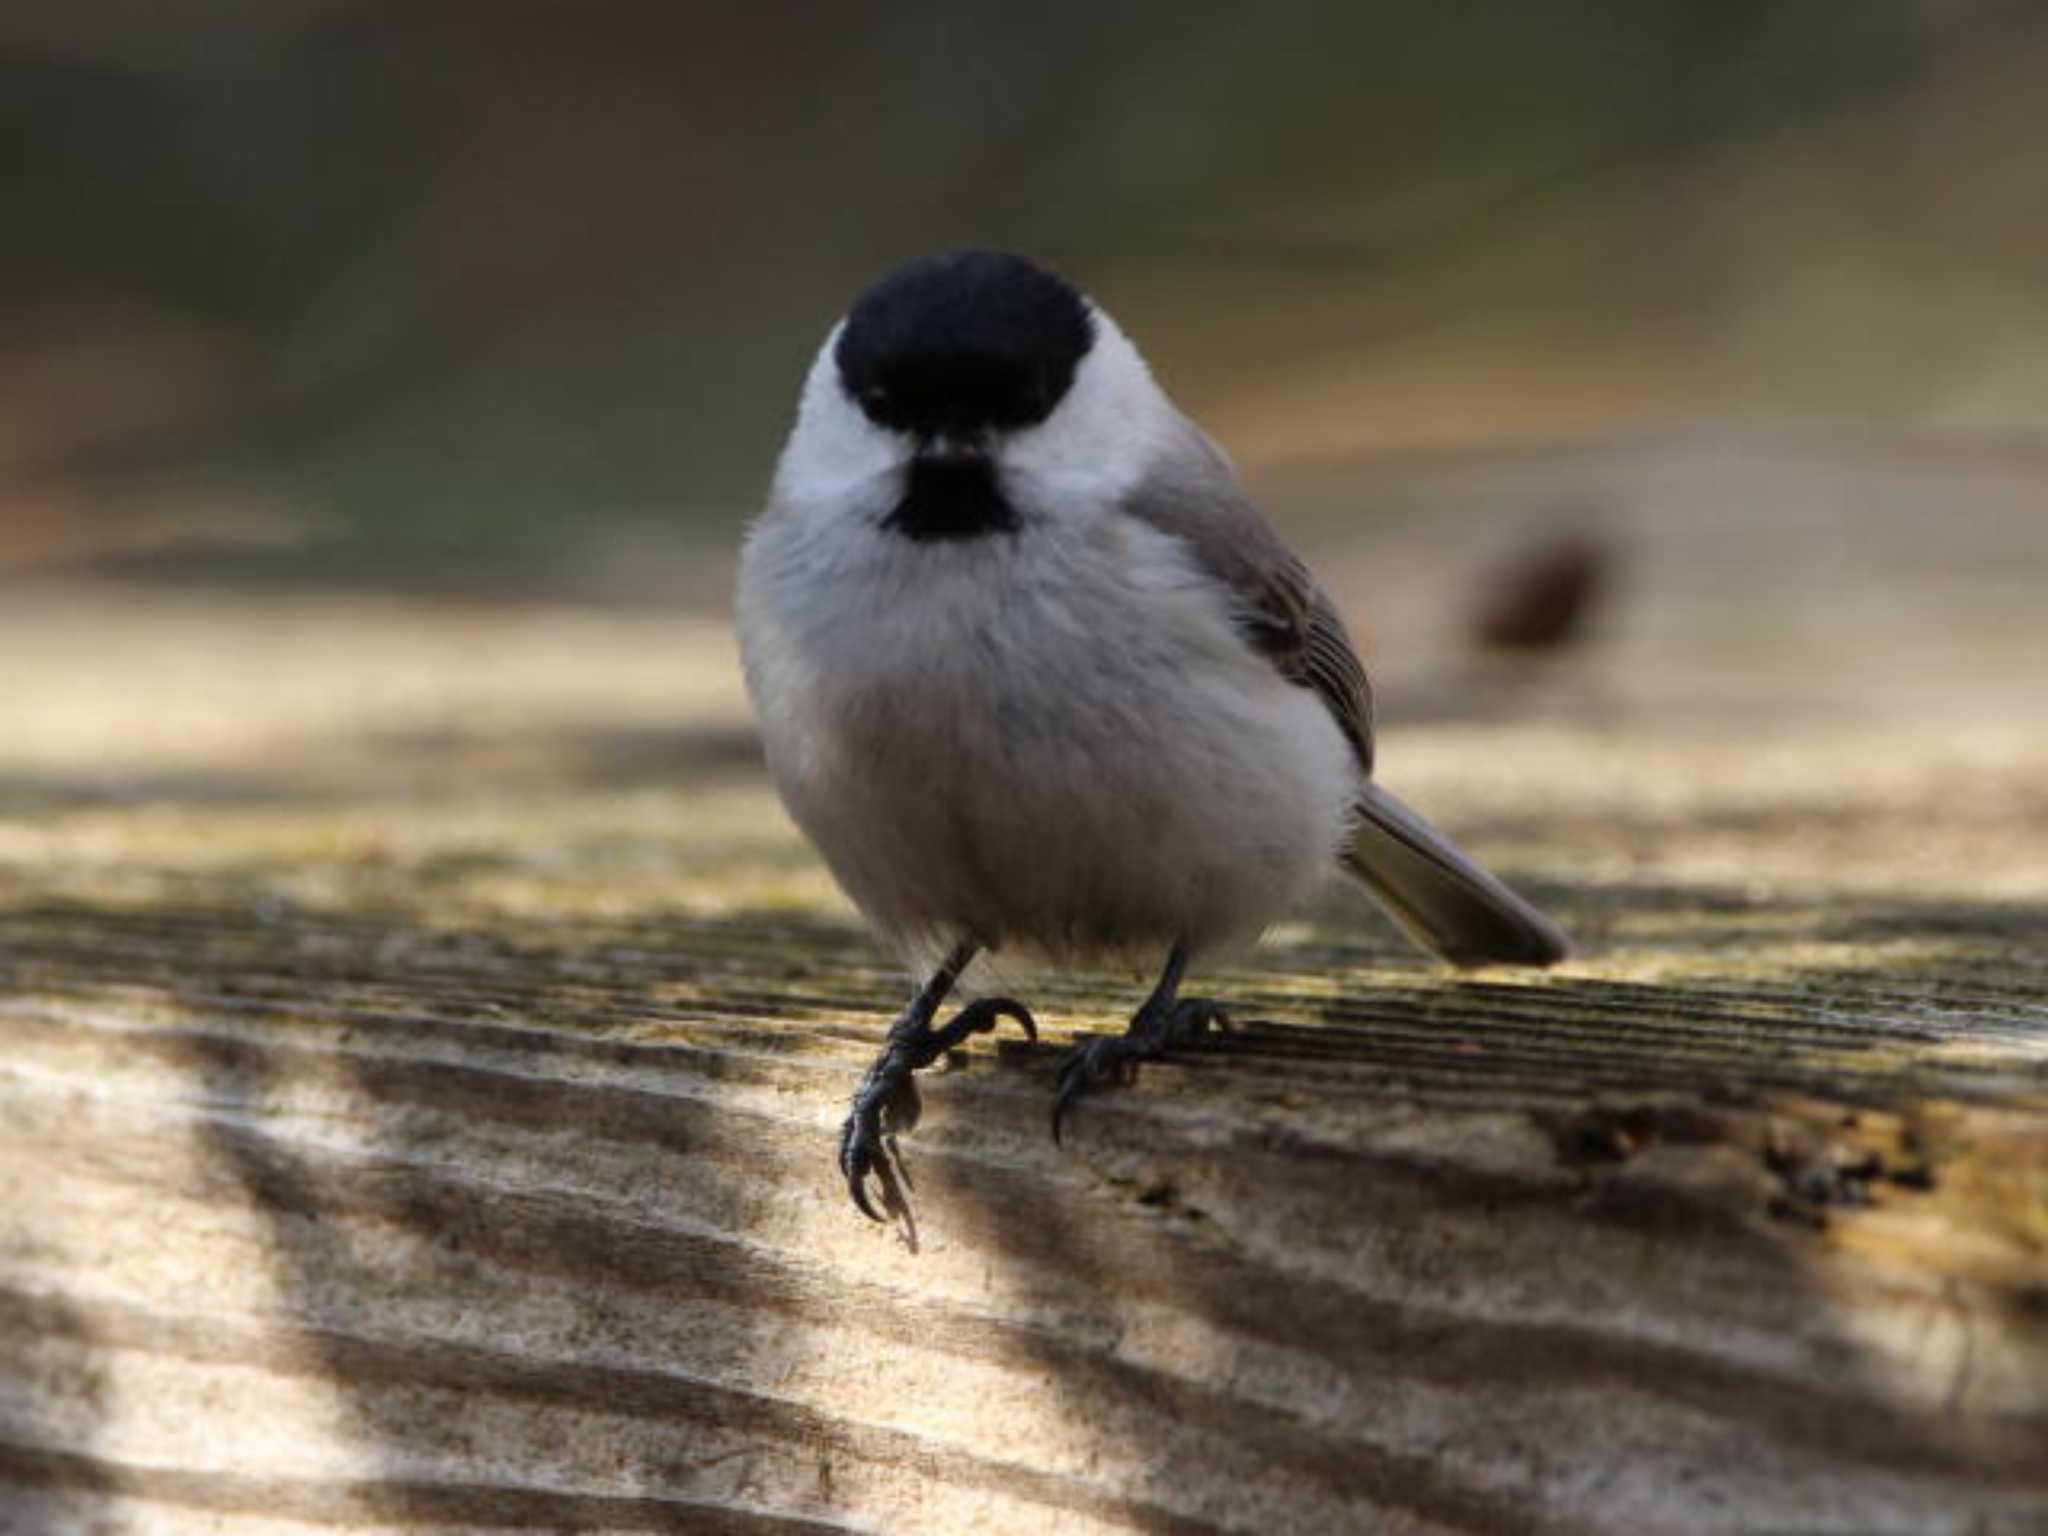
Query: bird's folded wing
[1194,496]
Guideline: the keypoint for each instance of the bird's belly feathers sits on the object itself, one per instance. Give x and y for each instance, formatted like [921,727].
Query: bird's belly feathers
[1059,749]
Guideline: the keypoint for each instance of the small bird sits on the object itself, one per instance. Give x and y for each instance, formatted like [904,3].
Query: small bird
[1036,676]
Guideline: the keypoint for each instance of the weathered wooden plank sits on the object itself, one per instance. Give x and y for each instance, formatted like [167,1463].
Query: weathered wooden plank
[1320,1294]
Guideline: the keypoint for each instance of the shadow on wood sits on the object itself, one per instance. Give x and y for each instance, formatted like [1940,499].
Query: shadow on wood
[522,1217]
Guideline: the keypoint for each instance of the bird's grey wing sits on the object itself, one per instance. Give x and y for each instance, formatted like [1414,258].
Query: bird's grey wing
[1432,888]
[1282,613]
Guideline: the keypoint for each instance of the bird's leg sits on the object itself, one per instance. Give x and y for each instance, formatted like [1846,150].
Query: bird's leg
[886,1103]
[1164,1021]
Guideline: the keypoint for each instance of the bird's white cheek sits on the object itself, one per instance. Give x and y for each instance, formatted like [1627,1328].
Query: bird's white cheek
[835,456]
[1094,448]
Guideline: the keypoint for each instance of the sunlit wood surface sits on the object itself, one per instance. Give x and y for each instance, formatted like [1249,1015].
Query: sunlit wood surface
[422,1042]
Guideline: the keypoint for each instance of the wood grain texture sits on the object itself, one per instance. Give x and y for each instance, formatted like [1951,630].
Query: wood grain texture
[417,1101]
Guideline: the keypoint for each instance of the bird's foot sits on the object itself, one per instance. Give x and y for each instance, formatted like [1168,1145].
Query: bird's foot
[887,1104]
[1156,1029]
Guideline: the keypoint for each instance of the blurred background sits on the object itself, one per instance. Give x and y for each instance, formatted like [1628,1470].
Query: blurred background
[374,371]
[443,292]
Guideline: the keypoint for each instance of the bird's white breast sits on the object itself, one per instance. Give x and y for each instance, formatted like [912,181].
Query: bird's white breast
[1051,741]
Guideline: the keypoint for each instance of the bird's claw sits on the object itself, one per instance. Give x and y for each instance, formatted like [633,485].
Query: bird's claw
[888,1105]
[1091,1062]
[1116,1058]
[978,1018]
[867,1142]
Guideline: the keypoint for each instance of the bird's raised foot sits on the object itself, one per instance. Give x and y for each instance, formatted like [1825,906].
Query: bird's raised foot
[887,1104]
[1156,1030]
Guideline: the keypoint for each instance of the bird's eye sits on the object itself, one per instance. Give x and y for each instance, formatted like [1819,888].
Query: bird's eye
[874,397]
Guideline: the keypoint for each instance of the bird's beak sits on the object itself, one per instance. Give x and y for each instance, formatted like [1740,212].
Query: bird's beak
[952,449]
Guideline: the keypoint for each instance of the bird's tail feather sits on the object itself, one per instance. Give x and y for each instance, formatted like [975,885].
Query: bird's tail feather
[1439,896]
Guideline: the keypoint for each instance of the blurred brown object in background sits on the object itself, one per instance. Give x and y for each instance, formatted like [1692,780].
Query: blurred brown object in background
[1541,596]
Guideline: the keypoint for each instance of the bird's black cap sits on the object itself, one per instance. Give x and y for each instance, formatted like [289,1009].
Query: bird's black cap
[951,344]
